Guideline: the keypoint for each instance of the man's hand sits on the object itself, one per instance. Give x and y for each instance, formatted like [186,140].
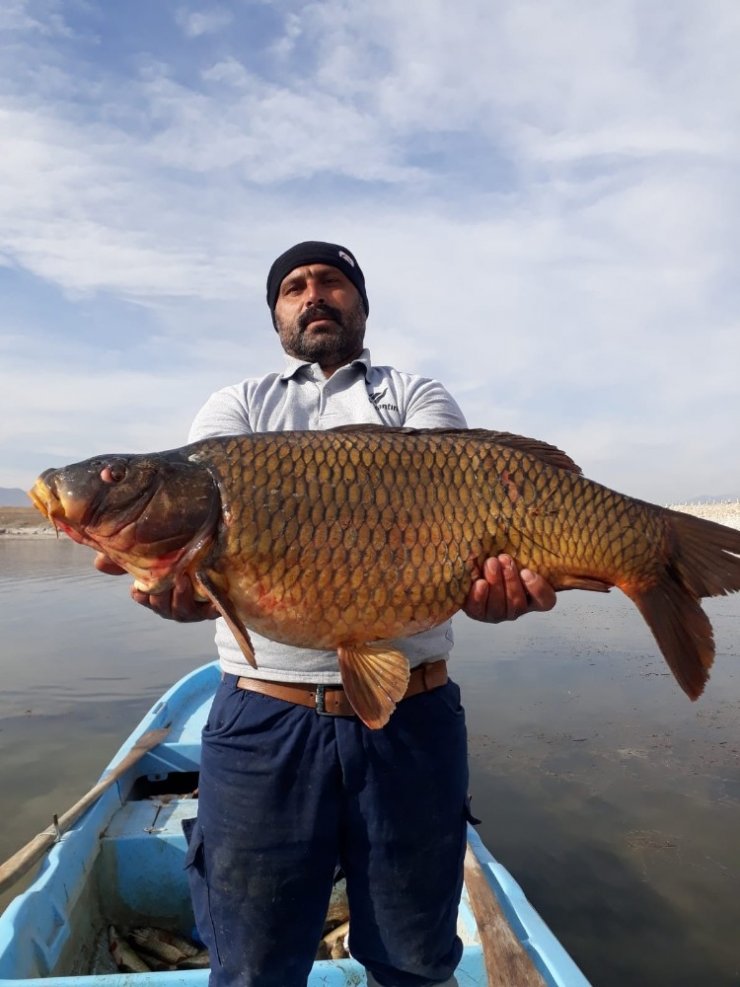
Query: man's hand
[178,603]
[504,593]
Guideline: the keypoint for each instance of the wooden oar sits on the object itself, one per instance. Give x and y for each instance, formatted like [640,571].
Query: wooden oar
[22,861]
[508,964]
[338,933]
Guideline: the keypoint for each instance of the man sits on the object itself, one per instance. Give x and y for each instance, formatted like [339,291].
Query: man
[286,793]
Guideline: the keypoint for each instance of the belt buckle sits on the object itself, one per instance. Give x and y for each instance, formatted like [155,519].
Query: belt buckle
[321,701]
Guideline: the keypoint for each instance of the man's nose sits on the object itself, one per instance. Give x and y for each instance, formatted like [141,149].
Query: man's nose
[314,293]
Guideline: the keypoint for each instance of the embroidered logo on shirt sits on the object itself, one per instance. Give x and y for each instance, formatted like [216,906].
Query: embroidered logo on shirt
[377,398]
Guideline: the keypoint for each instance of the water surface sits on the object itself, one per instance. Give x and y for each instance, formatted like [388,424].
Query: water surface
[613,800]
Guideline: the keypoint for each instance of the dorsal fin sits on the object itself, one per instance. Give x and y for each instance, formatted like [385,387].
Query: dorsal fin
[532,447]
[535,447]
[377,427]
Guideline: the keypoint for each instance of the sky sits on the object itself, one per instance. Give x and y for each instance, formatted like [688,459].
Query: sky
[543,195]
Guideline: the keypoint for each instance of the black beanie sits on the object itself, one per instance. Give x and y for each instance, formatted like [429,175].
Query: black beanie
[315,252]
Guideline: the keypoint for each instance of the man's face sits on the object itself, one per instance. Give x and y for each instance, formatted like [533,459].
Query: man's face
[319,315]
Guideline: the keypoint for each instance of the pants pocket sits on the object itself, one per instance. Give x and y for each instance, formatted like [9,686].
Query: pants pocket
[225,711]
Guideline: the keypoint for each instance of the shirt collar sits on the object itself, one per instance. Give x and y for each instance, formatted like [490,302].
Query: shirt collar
[293,364]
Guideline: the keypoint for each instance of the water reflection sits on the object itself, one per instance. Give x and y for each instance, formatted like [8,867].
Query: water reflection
[613,799]
[71,637]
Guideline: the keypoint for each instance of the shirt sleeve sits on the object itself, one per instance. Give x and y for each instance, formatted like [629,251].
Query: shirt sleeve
[224,413]
[430,405]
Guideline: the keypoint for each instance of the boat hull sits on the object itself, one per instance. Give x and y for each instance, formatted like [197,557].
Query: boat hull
[122,863]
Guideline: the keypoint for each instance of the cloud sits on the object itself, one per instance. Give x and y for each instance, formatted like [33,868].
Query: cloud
[542,197]
[195,23]
[266,134]
[25,16]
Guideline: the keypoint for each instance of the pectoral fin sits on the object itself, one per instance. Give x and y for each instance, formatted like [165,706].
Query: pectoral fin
[375,678]
[220,599]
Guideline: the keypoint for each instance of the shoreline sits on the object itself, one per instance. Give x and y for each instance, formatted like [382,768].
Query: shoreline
[723,512]
[24,523]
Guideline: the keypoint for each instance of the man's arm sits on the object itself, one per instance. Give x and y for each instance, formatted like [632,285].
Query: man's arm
[224,413]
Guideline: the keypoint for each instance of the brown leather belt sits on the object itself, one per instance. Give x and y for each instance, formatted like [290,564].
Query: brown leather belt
[331,700]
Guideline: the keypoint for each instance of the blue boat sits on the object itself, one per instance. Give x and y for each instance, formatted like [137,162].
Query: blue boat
[121,864]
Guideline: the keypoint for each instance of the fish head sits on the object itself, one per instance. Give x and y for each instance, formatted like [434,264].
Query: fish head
[152,514]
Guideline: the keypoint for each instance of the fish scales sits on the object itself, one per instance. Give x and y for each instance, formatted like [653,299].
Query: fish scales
[346,538]
[513,503]
[378,534]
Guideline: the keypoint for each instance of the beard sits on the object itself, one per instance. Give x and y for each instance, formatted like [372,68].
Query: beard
[332,344]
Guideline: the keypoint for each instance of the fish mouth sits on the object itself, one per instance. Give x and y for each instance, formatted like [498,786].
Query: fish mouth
[45,499]
[42,497]
[70,513]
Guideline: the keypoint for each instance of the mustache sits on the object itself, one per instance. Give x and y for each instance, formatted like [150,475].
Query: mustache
[320,311]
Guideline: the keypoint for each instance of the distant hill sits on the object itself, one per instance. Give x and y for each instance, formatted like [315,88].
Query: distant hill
[13,497]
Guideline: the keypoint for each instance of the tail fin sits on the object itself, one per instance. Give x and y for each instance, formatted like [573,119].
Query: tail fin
[705,554]
[704,560]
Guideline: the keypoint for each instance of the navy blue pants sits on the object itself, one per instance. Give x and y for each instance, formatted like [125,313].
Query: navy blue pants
[286,794]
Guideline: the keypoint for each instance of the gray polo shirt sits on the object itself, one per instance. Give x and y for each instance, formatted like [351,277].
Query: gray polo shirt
[301,398]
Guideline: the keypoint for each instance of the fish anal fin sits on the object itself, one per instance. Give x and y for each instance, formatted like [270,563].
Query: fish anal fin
[220,599]
[568,581]
[375,677]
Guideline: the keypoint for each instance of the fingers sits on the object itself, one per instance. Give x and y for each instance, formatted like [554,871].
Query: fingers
[487,598]
[103,564]
[475,604]
[517,602]
[178,603]
[541,595]
[505,593]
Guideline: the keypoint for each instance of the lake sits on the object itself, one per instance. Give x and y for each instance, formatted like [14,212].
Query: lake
[612,798]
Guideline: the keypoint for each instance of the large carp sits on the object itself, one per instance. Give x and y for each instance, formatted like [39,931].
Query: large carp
[343,539]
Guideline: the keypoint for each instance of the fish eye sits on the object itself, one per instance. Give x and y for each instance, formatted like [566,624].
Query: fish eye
[113,473]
